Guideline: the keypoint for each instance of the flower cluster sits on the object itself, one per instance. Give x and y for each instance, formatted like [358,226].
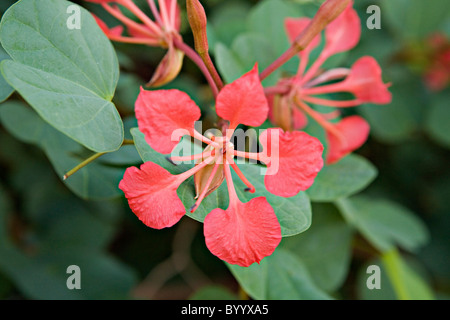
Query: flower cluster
[244,233]
[290,98]
[163,32]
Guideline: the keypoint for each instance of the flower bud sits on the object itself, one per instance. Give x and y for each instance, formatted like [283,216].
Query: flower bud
[327,12]
[197,20]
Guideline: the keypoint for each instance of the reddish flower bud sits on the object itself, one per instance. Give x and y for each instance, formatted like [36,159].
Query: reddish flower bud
[197,20]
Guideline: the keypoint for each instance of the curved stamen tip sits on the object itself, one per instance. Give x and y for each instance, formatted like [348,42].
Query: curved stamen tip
[170,160]
[193,208]
[251,190]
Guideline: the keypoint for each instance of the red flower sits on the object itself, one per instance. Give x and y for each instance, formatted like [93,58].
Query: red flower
[437,71]
[159,33]
[244,233]
[363,80]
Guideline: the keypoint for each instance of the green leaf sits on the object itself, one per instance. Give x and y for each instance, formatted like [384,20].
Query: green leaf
[437,120]
[281,276]
[385,224]
[5,89]
[325,249]
[71,235]
[398,121]
[415,19]
[246,50]
[67,76]
[227,21]
[267,19]
[95,181]
[347,177]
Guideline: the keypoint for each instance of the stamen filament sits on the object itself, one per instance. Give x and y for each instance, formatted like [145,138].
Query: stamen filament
[123,39]
[319,118]
[238,171]
[141,15]
[304,59]
[329,88]
[185,175]
[279,89]
[115,12]
[247,155]
[231,191]
[152,5]
[164,14]
[173,11]
[315,67]
[193,157]
[197,135]
[332,103]
[333,74]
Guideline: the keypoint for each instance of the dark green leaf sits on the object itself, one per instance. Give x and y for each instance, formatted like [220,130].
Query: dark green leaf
[385,224]
[342,179]
[325,249]
[281,276]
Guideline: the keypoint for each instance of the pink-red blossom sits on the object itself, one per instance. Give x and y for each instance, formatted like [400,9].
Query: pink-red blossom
[244,233]
[159,33]
[293,96]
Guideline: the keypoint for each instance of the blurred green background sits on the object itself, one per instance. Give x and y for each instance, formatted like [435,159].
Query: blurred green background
[47,224]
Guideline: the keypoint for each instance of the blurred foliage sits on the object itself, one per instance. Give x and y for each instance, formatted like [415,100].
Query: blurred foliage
[386,205]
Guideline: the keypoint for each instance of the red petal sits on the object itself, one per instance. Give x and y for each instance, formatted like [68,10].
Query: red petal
[293,160]
[343,33]
[243,101]
[152,195]
[300,119]
[354,132]
[295,26]
[177,14]
[101,1]
[244,233]
[115,31]
[161,112]
[365,82]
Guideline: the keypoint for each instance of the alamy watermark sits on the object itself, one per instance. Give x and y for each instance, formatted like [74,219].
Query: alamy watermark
[374,280]
[74,280]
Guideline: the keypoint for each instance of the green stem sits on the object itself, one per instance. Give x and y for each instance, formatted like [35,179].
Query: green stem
[93,158]
[391,261]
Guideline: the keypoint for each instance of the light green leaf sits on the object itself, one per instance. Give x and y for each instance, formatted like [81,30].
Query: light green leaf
[67,75]
[347,177]
[385,224]
[281,276]
[5,89]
